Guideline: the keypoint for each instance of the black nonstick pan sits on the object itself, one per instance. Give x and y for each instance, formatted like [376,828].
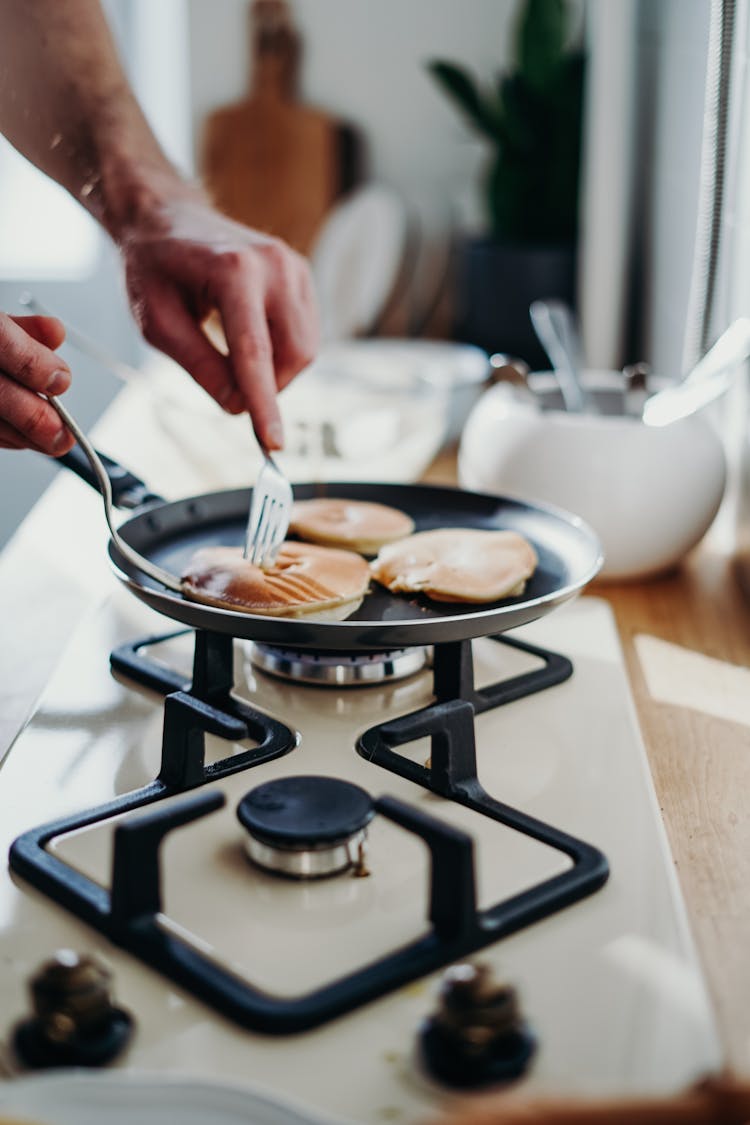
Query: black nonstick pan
[167,533]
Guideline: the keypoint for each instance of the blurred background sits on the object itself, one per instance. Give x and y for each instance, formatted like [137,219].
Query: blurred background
[389,179]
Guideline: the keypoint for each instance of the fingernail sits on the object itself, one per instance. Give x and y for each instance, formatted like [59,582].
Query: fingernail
[275,435]
[58,383]
[60,440]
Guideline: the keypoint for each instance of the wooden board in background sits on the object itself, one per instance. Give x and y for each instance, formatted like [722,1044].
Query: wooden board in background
[269,161]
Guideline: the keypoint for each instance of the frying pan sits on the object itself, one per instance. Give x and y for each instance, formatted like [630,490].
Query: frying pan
[168,532]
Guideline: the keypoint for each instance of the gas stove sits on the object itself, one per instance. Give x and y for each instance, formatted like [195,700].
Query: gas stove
[283,855]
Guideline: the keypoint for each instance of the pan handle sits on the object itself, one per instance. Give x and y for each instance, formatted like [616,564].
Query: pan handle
[128,490]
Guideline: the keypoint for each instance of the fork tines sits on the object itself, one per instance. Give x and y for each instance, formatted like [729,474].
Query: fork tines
[270,510]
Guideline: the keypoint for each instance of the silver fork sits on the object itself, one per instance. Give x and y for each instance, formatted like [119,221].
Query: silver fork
[270,512]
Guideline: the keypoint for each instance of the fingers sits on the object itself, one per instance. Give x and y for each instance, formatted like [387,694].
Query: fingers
[28,361]
[168,325]
[242,308]
[292,318]
[10,438]
[28,365]
[24,415]
[261,290]
[48,330]
[270,321]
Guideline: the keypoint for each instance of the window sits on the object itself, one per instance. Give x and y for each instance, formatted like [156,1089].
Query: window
[44,233]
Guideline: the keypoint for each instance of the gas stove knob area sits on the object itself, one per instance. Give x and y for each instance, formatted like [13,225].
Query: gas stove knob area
[74,1020]
[477,1035]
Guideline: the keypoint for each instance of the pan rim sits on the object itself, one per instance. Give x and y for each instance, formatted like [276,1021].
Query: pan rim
[348,634]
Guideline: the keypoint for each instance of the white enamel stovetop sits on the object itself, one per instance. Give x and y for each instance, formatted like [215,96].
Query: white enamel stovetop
[610,985]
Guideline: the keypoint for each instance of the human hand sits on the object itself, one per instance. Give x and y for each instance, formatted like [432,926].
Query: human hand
[28,365]
[188,261]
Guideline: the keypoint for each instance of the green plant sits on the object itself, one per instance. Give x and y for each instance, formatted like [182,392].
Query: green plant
[532,119]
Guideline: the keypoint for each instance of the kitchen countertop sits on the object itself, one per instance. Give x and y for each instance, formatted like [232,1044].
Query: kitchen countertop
[686,640]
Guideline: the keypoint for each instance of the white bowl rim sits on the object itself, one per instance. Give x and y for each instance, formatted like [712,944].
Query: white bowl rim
[601,379]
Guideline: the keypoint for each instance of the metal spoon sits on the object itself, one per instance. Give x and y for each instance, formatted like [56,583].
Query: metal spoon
[554,325]
[710,377]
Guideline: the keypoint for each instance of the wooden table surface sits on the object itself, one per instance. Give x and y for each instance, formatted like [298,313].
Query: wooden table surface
[686,641]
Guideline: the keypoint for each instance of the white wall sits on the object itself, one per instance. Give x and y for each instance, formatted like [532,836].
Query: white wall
[365,61]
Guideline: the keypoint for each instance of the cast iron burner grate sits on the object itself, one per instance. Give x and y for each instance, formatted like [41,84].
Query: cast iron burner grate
[128,912]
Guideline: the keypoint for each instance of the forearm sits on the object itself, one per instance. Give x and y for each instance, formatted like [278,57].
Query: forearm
[66,104]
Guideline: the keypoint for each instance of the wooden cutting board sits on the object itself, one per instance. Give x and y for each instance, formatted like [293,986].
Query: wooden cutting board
[268,160]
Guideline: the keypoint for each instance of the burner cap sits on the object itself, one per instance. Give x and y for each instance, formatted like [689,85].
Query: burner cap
[337,669]
[305,812]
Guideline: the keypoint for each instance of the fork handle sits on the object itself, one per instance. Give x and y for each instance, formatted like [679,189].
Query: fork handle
[128,490]
[104,486]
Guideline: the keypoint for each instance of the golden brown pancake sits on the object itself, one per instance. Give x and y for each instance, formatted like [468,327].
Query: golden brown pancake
[305,579]
[358,525]
[458,564]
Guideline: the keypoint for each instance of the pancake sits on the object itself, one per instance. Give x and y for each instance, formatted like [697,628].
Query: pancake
[357,525]
[305,580]
[458,564]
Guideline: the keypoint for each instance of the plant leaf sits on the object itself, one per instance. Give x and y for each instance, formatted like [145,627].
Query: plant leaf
[541,41]
[532,185]
[532,119]
[465,92]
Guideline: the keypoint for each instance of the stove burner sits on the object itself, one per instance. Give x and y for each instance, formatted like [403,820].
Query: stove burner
[306,827]
[338,669]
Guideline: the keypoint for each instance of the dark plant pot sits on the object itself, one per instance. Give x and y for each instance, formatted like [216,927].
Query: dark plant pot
[496,283]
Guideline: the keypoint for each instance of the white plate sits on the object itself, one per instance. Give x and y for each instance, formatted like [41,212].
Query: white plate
[73,1097]
[357,258]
